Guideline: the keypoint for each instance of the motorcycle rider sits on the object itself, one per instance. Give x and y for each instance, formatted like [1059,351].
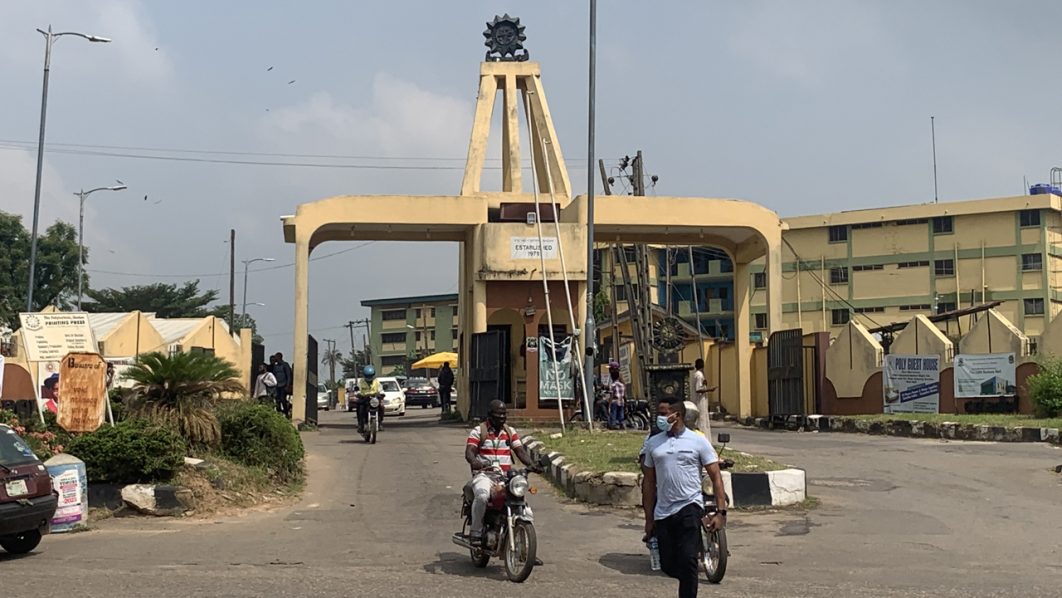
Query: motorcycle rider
[368,387]
[489,451]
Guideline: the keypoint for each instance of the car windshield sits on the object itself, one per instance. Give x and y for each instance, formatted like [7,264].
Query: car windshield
[390,386]
[415,382]
[14,450]
[321,388]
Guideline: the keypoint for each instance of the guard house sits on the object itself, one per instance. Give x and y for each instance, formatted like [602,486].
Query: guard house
[530,231]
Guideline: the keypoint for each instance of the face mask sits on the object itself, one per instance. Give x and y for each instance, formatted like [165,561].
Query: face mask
[662,424]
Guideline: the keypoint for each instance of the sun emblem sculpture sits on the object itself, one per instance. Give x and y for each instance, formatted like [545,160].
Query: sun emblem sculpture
[505,37]
[668,335]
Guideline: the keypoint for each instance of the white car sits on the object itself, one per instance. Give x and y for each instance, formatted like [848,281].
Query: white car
[394,396]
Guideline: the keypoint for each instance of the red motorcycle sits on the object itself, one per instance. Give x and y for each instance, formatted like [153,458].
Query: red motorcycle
[508,526]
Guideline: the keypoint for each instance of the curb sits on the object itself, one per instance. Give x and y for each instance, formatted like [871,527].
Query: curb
[624,489]
[900,427]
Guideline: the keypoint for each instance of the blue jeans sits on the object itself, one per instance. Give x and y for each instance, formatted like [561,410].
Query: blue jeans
[615,415]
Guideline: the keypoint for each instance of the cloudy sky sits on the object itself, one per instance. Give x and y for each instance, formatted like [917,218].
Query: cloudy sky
[805,107]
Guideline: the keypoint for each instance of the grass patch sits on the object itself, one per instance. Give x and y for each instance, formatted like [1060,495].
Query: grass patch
[227,484]
[618,451]
[986,419]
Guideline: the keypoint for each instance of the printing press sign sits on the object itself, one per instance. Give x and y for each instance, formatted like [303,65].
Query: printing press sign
[528,248]
[49,337]
[912,383]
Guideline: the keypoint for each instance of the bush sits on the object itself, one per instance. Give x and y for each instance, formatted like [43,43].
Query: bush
[133,451]
[1045,388]
[257,435]
[45,440]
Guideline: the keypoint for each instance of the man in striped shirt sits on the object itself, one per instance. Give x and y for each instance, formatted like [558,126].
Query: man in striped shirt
[489,450]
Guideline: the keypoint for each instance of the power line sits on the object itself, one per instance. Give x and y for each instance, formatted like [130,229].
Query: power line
[826,287]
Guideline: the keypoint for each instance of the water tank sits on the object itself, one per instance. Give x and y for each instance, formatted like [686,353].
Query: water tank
[1045,189]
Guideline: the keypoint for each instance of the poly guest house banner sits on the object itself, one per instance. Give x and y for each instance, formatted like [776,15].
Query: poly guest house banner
[912,383]
[989,375]
[552,381]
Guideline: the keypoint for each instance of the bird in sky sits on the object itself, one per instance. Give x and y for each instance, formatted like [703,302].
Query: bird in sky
[290,82]
[269,69]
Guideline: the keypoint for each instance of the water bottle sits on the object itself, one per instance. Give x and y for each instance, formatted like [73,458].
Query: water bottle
[654,554]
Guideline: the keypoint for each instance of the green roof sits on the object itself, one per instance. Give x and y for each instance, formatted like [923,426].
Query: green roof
[410,301]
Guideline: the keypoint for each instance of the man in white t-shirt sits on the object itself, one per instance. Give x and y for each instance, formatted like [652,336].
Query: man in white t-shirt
[699,390]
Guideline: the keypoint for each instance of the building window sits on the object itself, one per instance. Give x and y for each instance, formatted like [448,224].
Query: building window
[839,275]
[394,314]
[863,225]
[759,280]
[1032,261]
[453,333]
[921,264]
[431,334]
[760,321]
[839,234]
[870,310]
[916,307]
[911,221]
[868,268]
[392,338]
[1029,217]
[621,293]
[943,225]
[944,267]
[944,307]
[393,360]
[418,337]
[840,317]
[1034,307]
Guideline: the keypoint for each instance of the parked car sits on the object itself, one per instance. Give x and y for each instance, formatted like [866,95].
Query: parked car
[324,398]
[394,396]
[27,501]
[351,384]
[421,391]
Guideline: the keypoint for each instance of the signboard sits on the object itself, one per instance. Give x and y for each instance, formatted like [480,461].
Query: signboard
[82,392]
[555,382]
[912,383]
[625,351]
[990,375]
[48,337]
[528,248]
[47,374]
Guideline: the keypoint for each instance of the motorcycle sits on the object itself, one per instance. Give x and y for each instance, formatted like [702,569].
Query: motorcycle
[714,551]
[636,412]
[508,526]
[372,422]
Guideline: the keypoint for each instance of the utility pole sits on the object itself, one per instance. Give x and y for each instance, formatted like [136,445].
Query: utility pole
[933,133]
[232,280]
[331,359]
[606,186]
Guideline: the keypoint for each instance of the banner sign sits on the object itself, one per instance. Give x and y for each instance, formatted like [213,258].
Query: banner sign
[48,337]
[528,248]
[552,382]
[625,351]
[912,383]
[82,392]
[990,375]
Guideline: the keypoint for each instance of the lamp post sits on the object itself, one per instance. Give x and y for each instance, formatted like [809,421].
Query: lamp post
[49,40]
[82,196]
[247,263]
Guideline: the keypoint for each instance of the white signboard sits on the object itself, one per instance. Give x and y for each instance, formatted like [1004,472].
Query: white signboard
[528,248]
[625,362]
[912,383]
[49,337]
[991,375]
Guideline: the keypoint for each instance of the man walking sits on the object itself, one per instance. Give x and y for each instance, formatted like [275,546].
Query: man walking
[282,372]
[699,393]
[672,496]
[446,386]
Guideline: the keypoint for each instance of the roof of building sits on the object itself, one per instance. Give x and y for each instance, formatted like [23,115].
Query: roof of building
[409,301]
[173,330]
[928,210]
[103,324]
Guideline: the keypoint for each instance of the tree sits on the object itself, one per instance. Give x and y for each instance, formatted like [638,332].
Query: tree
[242,321]
[181,390]
[358,359]
[55,280]
[164,300]
[331,358]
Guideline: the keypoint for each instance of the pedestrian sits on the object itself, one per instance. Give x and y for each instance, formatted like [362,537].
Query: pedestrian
[282,372]
[699,390]
[617,392]
[265,384]
[672,495]
[446,386]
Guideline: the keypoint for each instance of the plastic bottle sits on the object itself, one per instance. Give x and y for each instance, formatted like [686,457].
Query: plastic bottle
[654,554]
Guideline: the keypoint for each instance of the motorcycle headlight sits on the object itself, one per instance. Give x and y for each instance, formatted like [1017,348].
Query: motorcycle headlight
[518,486]
[374,402]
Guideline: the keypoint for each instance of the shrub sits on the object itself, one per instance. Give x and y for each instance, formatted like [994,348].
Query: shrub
[1045,388]
[45,440]
[133,451]
[257,435]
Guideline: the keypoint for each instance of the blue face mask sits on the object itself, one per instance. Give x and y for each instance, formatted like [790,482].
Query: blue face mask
[662,423]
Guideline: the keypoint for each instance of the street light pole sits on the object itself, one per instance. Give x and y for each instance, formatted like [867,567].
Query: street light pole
[49,38]
[590,332]
[247,263]
[82,195]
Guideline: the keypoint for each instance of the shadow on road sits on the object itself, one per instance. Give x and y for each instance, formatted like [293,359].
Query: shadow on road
[455,563]
[628,564]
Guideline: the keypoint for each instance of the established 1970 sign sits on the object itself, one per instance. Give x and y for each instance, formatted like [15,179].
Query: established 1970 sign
[48,337]
[528,248]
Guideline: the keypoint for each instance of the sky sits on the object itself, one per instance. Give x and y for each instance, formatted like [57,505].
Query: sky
[805,107]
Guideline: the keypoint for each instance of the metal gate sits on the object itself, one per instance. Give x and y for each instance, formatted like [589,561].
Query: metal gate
[485,372]
[785,373]
[311,379]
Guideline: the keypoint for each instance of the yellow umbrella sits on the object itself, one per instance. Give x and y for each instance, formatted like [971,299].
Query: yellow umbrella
[434,362]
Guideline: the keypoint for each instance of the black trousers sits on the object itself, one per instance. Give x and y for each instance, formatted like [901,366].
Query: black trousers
[444,398]
[679,537]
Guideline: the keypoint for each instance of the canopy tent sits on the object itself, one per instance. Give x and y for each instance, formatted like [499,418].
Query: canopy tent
[436,361]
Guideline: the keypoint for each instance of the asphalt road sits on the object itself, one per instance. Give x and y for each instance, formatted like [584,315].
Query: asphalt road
[899,517]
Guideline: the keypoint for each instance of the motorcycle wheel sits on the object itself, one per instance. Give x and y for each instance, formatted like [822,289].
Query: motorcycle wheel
[642,422]
[372,433]
[577,417]
[713,555]
[520,562]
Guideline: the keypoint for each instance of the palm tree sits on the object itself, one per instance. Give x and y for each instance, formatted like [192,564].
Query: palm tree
[332,358]
[182,390]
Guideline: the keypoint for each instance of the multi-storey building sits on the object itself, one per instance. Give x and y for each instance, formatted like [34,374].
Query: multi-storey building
[404,329]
